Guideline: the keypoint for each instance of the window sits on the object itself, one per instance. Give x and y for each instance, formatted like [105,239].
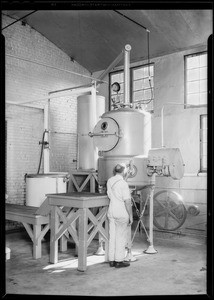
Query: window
[196,79]
[203,143]
[141,87]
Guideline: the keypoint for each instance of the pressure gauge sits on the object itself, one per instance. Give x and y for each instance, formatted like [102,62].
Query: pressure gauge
[115,87]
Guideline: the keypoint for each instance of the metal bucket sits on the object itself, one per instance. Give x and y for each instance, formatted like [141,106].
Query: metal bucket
[38,185]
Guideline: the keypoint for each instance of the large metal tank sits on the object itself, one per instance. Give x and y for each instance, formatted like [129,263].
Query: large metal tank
[124,132]
[138,176]
[89,110]
[124,135]
[38,185]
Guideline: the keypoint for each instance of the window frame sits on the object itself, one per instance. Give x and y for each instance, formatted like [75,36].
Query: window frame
[187,105]
[131,81]
[203,169]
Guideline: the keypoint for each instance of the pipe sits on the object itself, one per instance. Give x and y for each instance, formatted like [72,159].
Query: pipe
[70,89]
[55,68]
[46,139]
[127,73]
[81,91]
[162,137]
[112,65]
[151,249]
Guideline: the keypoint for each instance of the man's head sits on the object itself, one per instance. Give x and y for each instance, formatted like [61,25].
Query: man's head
[121,169]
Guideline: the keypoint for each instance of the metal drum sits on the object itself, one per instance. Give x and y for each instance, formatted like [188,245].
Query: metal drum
[38,185]
[89,110]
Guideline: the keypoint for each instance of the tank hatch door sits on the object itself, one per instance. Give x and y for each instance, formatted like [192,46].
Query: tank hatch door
[106,134]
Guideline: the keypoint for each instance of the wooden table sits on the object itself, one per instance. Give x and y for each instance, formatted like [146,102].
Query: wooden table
[35,225]
[78,206]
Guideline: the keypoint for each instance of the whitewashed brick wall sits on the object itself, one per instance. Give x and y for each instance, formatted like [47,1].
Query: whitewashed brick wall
[27,81]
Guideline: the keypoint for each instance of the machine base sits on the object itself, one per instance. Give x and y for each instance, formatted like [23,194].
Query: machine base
[150,250]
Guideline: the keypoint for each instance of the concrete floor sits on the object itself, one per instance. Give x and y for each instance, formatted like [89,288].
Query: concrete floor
[179,268]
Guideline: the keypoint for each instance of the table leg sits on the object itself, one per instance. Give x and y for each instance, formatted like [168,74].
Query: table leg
[63,243]
[37,247]
[92,184]
[82,249]
[54,222]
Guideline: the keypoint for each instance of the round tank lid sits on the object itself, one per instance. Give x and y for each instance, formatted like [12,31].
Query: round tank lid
[106,134]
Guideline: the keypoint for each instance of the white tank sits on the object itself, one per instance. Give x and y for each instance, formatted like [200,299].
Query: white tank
[124,135]
[38,185]
[89,110]
[123,132]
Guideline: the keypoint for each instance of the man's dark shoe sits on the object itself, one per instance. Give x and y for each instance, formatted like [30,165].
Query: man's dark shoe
[112,263]
[121,264]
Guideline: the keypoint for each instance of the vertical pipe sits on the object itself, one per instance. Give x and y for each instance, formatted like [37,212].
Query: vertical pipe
[151,249]
[46,138]
[127,73]
[162,137]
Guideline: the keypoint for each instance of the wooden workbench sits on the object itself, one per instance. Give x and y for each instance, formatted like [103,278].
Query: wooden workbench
[78,208]
[35,225]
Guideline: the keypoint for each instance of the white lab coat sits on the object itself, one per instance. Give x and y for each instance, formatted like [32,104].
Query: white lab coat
[117,191]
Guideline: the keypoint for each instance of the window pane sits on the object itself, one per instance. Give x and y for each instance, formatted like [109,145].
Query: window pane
[139,73]
[203,73]
[193,62]
[138,85]
[146,72]
[203,98]
[118,77]
[138,95]
[193,99]
[204,121]
[204,135]
[151,71]
[193,74]
[196,70]
[146,83]
[193,87]
[204,148]
[147,94]
[121,91]
[203,143]
[203,60]
[203,85]
[204,163]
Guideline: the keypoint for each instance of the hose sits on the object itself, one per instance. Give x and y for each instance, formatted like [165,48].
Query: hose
[43,137]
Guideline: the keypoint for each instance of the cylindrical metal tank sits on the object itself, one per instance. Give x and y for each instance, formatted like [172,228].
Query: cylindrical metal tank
[38,185]
[137,178]
[89,110]
[122,132]
[124,136]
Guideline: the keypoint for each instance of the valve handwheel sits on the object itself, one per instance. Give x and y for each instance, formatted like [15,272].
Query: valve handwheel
[169,210]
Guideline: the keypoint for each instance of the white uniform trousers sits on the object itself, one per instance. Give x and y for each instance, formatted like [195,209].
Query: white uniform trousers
[117,238]
[129,237]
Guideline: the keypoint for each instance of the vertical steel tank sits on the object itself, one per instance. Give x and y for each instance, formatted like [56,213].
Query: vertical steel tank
[124,135]
[89,110]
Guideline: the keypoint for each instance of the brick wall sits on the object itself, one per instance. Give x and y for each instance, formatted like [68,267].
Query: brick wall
[27,81]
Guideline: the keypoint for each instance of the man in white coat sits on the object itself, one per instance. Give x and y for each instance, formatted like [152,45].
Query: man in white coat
[119,215]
